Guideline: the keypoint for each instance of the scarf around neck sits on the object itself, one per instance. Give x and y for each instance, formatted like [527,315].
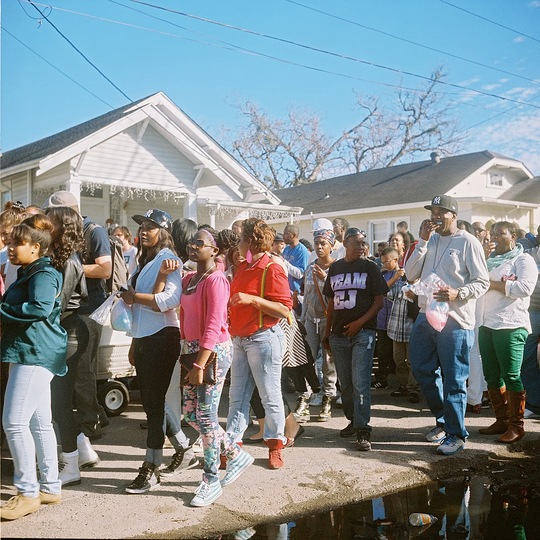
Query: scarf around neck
[494,261]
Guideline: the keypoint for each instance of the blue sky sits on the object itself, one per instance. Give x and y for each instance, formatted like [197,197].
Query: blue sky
[200,67]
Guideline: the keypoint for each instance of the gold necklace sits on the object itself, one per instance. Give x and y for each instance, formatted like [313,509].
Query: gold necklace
[193,286]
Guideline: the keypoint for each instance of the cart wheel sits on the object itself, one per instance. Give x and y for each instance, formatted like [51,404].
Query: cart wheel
[113,397]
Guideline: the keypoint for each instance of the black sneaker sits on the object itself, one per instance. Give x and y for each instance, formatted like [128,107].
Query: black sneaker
[363,441]
[147,479]
[414,397]
[182,460]
[400,392]
[377,385]
[349,431]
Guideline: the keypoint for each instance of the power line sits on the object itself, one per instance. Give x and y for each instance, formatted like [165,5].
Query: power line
[405,40]
[508,111]
[244,50]
[489,20]
[57,68]
[328,53]
[80,52]
[229,46]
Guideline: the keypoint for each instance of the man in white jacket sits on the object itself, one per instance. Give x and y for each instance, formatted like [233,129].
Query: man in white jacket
[440,360]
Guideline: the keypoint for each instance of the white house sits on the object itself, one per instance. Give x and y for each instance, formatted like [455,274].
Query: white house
[488,187]
[144,155]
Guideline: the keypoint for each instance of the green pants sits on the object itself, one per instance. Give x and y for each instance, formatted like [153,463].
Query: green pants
[502,356]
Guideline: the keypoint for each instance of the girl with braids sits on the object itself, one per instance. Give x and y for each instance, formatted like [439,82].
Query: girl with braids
[67,243]
[203,320]
[34,344]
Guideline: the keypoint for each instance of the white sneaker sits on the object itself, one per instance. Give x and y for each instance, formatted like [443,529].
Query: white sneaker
[68,469]
[87,455]
[451,445]
[436,435]
[236,466]
[206,493]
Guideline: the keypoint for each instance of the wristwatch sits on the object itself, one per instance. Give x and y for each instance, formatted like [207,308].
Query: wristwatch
[462,293]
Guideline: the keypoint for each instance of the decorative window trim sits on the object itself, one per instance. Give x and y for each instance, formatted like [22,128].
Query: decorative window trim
[496,180]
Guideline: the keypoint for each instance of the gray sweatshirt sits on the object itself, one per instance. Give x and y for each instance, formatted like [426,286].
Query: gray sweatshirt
[458,260]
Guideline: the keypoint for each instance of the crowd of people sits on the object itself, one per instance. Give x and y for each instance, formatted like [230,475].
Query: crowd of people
[454,314]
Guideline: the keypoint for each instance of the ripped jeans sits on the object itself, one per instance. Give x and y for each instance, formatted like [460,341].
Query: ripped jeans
[353,357]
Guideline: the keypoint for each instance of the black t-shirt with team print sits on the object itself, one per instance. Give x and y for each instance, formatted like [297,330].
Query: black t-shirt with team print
[353,287]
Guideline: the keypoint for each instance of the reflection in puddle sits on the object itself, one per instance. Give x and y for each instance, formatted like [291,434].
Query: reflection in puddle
[463,509]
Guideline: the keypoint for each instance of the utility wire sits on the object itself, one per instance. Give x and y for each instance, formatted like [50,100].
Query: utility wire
[228,46]
[56,68]
[329,53]
[405,40]
[243,50]
[508,111]
[489,20]
[80,52]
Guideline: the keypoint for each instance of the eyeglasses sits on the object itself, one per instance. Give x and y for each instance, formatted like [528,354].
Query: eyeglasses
[388,262]
[199,243]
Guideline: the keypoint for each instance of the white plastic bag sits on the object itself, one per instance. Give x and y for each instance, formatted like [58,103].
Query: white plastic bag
[102,313]
[121,316]
[436,312]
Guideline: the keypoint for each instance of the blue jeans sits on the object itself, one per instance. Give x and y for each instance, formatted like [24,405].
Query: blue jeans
[353,357]
[257,361]
[440,364]
[530,373]
[29,431]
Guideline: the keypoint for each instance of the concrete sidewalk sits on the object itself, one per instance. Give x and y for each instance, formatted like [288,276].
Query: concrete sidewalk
[322,471]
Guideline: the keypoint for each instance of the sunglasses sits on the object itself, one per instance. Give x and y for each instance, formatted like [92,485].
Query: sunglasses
[199,243]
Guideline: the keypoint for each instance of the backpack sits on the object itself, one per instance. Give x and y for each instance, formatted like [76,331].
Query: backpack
[120,274]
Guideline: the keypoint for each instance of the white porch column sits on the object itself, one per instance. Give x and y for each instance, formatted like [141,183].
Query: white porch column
[73,185]
[190,207]
[213,211]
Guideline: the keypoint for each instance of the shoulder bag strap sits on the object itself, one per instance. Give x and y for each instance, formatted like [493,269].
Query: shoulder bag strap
[263,287]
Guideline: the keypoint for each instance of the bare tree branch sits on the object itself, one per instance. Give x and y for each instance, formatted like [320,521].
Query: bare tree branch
[283,153]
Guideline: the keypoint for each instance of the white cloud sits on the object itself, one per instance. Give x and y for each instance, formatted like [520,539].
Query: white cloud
[490,87]
[517,138]
[519,39]
[535,4]
[469,82]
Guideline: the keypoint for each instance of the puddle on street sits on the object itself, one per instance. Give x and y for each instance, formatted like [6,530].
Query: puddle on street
[462,508]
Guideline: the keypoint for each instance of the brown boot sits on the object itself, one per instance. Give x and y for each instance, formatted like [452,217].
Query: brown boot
[516,405]
[275,459]
[499,402]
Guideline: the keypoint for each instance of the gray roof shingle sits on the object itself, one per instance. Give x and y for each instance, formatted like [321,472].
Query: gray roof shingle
[401,184]
[54,143]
